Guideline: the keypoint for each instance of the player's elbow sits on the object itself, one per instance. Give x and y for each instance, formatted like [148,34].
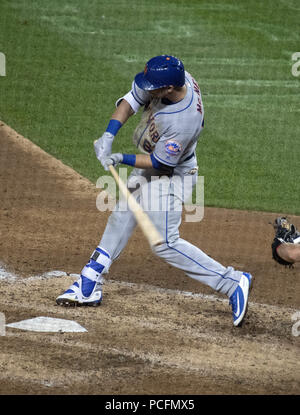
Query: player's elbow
[289,252]
[294,254]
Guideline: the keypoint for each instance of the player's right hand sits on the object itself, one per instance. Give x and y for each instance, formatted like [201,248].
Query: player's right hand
[103,145]
[112,160]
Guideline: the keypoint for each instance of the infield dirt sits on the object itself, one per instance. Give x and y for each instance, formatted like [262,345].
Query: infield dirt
[148,336]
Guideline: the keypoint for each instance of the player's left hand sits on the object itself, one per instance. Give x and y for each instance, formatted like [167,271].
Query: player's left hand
[112,160]
[103,145]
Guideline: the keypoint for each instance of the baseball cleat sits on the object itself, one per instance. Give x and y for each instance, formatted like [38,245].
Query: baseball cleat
[239,299]
[82,292]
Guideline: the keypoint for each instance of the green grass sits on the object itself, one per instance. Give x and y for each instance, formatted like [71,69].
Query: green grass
[68,62]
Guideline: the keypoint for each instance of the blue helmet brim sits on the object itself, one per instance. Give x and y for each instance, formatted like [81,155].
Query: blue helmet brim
[143,83]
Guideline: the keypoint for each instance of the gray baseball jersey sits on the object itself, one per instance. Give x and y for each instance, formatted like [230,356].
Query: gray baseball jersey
[168,130]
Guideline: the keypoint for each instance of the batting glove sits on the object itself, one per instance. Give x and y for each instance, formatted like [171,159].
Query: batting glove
[112,160]
[103,145]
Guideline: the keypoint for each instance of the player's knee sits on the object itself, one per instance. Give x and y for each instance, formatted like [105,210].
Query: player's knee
[162,248]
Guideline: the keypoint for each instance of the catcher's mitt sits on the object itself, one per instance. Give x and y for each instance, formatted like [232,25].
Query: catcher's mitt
[285,232]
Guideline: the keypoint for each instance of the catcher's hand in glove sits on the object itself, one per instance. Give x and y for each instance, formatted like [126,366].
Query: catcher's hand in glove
[285,232]
[103,145]
[112,160]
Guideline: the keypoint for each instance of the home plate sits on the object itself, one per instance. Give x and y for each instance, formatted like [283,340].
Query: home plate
[48,324]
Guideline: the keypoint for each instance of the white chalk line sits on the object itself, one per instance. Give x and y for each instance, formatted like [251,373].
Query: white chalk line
[12,278]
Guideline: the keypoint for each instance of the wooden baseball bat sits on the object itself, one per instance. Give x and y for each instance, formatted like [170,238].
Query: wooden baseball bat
[149,230]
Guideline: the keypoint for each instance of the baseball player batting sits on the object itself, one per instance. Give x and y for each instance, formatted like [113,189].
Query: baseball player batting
[167,136]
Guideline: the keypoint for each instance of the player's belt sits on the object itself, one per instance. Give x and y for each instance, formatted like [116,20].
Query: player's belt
[190,156]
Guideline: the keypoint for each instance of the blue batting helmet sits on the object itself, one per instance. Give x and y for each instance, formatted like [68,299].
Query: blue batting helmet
[161,71]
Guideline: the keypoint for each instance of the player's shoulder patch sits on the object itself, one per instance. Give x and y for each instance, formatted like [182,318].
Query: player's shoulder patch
[172,147]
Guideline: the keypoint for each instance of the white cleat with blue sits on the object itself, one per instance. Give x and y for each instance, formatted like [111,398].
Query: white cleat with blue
[87,290]
[239,299]
[82,292]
